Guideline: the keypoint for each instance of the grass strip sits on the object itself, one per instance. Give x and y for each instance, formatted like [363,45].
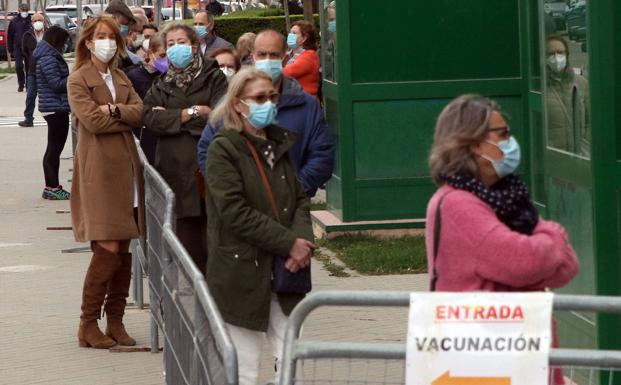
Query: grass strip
[375,256]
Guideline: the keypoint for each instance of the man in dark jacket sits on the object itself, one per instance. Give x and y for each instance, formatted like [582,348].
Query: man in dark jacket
[312,155]
[204,25]
[18,26]
[29,43]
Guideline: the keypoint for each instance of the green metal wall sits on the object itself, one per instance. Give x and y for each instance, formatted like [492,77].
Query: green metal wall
[395,68]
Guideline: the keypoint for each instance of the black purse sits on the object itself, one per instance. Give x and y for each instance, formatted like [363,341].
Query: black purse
[283,280]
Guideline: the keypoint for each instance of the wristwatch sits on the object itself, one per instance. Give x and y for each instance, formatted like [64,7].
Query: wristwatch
[193,112]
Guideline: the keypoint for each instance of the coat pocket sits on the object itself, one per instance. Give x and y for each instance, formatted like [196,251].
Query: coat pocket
[238,267]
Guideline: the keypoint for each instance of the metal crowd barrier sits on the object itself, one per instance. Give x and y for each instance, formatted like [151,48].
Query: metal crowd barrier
[324,362]
[197,347]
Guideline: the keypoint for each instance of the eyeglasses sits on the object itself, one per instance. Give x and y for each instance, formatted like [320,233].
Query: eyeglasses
[260,99]
[503,131]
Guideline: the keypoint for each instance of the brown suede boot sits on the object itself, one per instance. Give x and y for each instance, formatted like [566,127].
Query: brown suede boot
[103,265]
[118,291]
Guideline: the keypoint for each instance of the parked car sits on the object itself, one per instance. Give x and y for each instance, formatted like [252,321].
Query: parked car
[4,27]
[72,11]
[576,21]
[62,20]
[167,13]
[557,9]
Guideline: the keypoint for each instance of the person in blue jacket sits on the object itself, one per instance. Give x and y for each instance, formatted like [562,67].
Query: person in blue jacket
[312,155]
[52,73]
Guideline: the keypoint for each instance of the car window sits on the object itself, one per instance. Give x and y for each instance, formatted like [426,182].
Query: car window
[3,24]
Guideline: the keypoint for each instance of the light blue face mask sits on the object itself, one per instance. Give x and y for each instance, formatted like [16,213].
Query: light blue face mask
[24,14]
[292,40]
[270,67]
[261,115]
[124,30]
[179,55]
[201,31]
[332,26]
[511,157]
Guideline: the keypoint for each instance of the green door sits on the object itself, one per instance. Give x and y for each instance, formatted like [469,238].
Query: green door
[573,100]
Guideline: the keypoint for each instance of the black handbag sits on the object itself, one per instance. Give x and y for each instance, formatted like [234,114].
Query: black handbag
[283,280]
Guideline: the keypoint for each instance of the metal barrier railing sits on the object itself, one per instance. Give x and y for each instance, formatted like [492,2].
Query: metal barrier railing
[197,347]
[384,363]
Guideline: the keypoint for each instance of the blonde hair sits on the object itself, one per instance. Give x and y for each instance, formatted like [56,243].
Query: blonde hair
[83,54]
[462,124]
[225,114]
[245,44]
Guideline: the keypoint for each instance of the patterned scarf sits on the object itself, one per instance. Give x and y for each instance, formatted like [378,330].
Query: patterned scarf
[182,77]
[509,198]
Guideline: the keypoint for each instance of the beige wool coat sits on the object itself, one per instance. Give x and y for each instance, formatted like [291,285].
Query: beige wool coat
[106,166]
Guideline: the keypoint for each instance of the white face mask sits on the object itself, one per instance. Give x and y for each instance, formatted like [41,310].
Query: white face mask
[228,71]
[138,42]
[38,26]
[557,62]
[145,44]
[104,49]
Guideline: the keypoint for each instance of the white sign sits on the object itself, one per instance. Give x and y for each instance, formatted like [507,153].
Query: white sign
[479,338]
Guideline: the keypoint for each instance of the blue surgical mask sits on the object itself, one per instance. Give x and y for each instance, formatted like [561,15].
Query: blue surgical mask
[270,67]
[179,55]
[24,14]
[511,157]
[332,26]
[292,41]
[124,30]
[201,31]
[261,115]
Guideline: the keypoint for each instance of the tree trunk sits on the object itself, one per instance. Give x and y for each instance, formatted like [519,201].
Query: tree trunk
[308,10]
[285,4]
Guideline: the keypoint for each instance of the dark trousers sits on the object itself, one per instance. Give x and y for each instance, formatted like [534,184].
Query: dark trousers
[31,96]
[57,131]
[192,233]
[148,143]
[19,67]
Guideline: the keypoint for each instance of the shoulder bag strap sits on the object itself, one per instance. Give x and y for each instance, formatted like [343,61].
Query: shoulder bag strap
[437,227]
[266,183]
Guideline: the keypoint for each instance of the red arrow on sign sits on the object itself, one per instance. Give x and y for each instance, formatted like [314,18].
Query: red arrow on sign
[446,379]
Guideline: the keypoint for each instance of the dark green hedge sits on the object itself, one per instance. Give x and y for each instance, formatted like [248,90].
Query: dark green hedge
[230,28]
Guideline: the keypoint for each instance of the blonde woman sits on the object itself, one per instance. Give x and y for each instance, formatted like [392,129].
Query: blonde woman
[106,169]
[245,47]
[250,224]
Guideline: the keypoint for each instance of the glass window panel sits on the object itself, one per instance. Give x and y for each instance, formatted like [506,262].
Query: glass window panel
[328,41]
[567,101]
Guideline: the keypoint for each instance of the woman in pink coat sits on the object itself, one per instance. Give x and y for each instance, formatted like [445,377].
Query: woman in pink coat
[483,231]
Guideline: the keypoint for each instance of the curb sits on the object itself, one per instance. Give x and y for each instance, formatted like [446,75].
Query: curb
[7,78]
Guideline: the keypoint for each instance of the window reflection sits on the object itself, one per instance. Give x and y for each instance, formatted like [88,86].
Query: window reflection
[567,88]
[329,41]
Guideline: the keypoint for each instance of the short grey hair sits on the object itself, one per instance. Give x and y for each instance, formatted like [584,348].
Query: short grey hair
[209,15]
[462,124]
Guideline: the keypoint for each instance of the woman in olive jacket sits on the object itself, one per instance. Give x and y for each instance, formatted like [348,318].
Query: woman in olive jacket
[176,109]
[245,233]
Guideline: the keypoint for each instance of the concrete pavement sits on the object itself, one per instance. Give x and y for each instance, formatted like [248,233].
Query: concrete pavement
[40,287]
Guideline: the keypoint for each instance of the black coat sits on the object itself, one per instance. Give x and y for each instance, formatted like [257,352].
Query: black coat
[29,43]
[17,28]
[141,79]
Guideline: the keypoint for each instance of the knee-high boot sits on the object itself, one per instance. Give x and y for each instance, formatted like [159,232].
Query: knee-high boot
[103,265]
[118,291]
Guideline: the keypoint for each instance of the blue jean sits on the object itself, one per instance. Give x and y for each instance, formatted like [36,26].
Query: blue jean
[31,96]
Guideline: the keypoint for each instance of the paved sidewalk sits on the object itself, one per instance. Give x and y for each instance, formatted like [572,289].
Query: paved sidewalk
[40,287]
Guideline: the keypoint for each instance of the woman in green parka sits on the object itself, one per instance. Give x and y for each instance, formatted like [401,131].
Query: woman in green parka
[176,109]
[245,229]
[567,101]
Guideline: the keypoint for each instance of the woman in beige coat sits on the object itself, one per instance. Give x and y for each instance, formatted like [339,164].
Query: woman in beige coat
[106,170]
